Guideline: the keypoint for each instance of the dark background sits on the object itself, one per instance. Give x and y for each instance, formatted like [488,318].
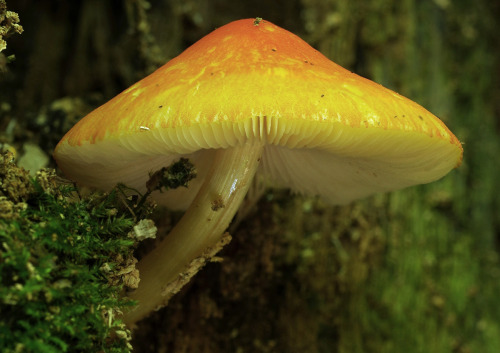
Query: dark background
[412,271]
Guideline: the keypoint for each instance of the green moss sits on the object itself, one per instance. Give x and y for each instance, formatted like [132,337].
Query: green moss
[58,253]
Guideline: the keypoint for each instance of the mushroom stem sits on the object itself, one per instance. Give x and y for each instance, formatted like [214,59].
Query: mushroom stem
[199,229]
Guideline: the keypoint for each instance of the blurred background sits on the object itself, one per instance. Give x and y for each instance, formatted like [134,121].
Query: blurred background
[411,271]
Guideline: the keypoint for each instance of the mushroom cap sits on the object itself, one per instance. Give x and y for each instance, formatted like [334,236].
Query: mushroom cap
[325,130]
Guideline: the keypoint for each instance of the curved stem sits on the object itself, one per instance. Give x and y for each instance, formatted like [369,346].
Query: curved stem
[199,229]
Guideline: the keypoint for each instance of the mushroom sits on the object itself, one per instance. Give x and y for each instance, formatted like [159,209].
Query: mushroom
[251,98]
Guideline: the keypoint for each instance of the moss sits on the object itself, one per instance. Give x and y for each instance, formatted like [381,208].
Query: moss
[62,261]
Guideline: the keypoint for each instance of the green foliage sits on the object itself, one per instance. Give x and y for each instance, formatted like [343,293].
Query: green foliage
[57,254]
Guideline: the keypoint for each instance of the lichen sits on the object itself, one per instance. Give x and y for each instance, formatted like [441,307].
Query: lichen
[9,24]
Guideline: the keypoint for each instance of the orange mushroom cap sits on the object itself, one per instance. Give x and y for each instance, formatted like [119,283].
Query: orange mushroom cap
[326,130]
